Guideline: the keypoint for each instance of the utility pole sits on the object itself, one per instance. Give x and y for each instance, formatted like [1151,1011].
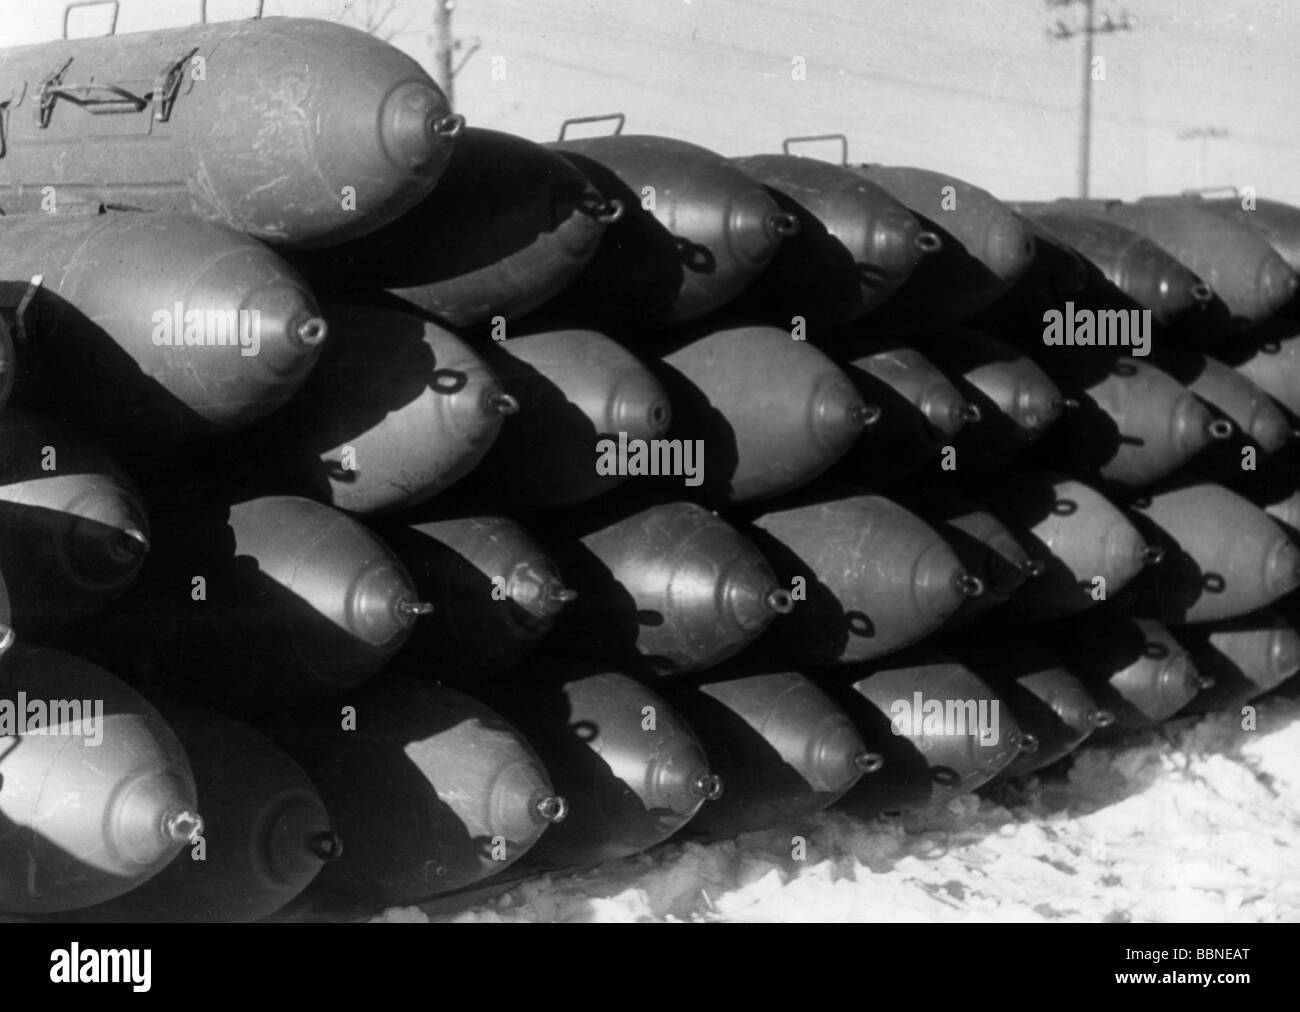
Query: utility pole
[1091,27]
[443,47]
[1202,133]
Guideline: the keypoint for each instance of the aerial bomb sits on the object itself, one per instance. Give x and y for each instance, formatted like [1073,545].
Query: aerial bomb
[920,410]
[397,410]
[854,246]
[941,730]
[866,576]
[986,247]
[695,232]
[1256,417]
[98,795]
[1274,367]
[1239,266]
[1137,268]
[1016,400]
[75,532]
[265,836]
[583,401]
[1135,669]
[985,546]
[298,132]
[1244,657]
[1135,425]
[1277,223]
[771,413]
[509,225]
[1207,576]
[274,602]
[428,789]
[1088,548]
[631,769]
[670,586]
[494,593]
[1048,702]
[159,326]
[782,747]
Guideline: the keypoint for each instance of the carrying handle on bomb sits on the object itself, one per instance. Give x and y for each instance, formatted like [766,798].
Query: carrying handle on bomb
[622,118]
[814,138]
[203,10]
[69,7]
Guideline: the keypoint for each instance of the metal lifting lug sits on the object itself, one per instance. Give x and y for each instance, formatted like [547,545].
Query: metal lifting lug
[168,85]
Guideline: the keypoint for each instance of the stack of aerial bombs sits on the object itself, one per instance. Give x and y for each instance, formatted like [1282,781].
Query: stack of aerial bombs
[446,505]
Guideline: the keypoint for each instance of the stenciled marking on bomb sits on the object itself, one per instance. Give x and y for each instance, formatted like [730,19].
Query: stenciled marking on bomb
[978,718]
[1105,328]
[74,718]
[180,327]
[651,457]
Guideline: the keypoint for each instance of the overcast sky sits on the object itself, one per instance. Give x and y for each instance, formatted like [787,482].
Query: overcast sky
[970,87]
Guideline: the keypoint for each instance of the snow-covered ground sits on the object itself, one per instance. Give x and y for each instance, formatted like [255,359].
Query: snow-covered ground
[1198,822]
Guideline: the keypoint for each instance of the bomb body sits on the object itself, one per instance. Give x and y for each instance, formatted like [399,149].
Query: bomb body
[296,131]
[73,524]
[160,326]
[265,836]
[771,413]
[866,578]
[509,225]
[854,246]
[695,232]
[941,730]
[94,803]
[670,586]
[397,410]
[463,795]
[578,392]
[783,748]
[495,594]
[986,248]
[1205,576]
[630,767]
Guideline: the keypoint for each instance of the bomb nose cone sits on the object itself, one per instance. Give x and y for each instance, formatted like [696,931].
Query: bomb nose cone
[679,780]
[296,840]
[894,247]
[382,605]
[1125,553]
[151,818]
[414,126]
[1284,654]
[278,326]
[639,406]
[106,545]
[756,226]
[835,756]
[939,584]
[1009,249]
[1192,425]
[1277,284]
[1179,682]
[1038,406]
[946,409]
[1269,427]
[750,594]
[1282,567]
[839,415]
[522,802]
[538,591]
